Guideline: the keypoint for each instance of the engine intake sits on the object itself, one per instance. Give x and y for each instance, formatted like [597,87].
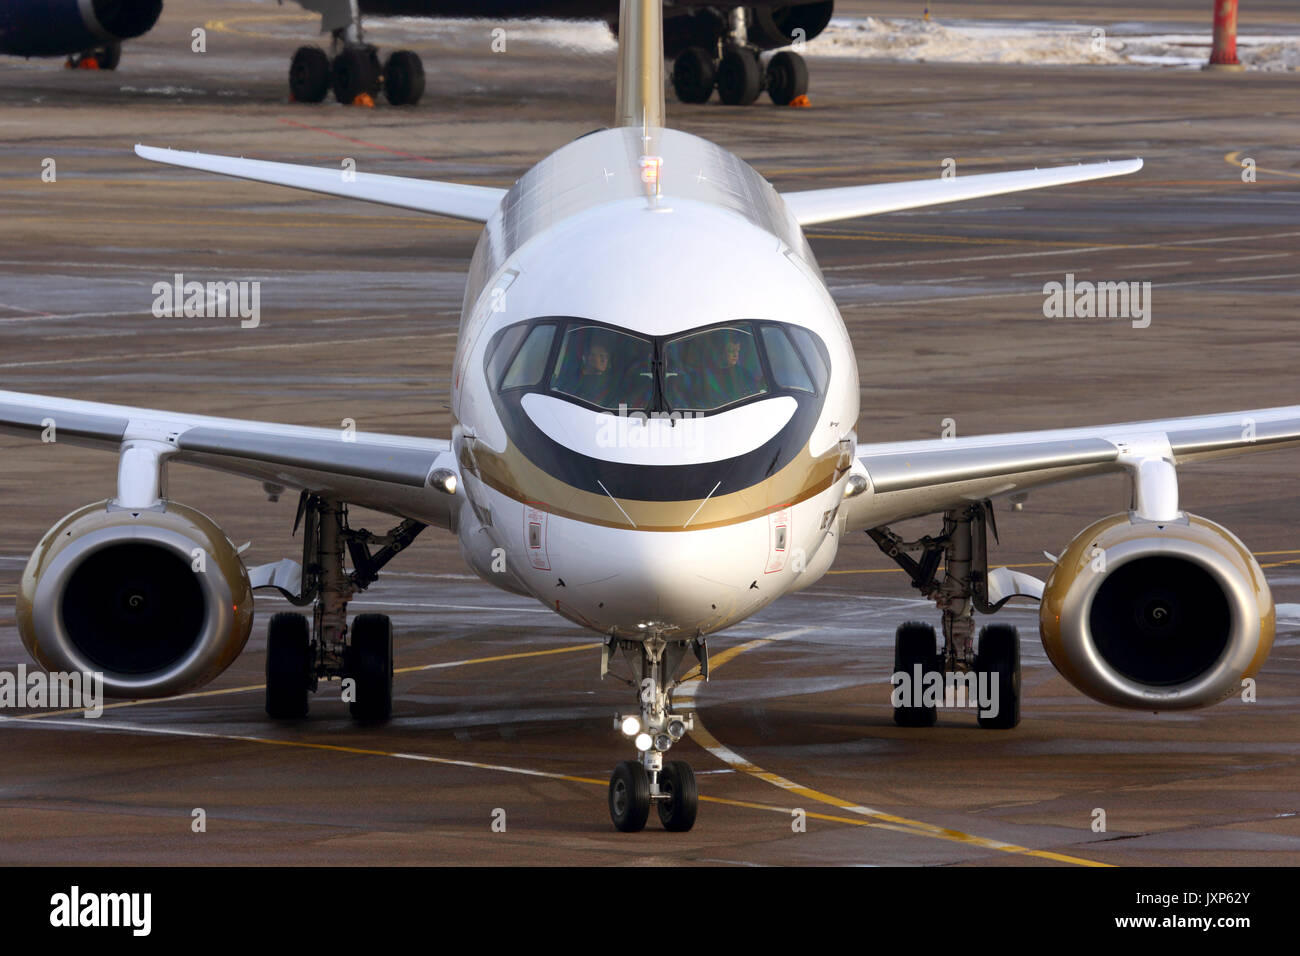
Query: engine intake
[1157,615]
[156,600]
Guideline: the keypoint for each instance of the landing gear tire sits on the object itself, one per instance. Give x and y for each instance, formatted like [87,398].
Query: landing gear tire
[309,75]
[998,655]
[355,72]
[109,56]
[370,664]
[694,75]
[288,663]
[677,813]
[787,78]
[914,643]
[403,78]
[740,77]
[629,797]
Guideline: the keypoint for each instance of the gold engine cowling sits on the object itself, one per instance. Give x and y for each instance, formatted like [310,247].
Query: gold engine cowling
[1157,615]
[156,600]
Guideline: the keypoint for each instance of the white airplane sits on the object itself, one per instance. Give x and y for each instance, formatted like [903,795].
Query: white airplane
[656,399]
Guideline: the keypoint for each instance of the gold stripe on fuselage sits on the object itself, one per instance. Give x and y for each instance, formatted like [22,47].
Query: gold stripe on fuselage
[510,473]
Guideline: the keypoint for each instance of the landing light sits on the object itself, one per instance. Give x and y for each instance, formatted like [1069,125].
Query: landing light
[444,479]
[643,742]
[631,726]
[663,742]
[677,729]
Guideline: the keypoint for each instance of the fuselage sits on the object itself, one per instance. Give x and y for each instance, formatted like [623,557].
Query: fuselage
[655,393]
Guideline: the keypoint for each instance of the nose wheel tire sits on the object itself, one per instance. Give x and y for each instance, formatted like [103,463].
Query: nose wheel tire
[740,77]
[370,664]
[914,644]
[629,797]
[998,656]
[288,663]
[787,78]
[677,813]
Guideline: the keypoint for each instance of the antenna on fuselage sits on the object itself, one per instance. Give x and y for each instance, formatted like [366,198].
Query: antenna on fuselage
[640,97]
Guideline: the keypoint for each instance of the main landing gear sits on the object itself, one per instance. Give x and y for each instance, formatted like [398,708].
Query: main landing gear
[104,57]
[299,655]
[729,63]
[989,671]
[353,72]
[637,784]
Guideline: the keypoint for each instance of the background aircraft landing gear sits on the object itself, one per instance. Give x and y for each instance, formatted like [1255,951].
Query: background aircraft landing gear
[637,784]
[105,57]
[354,73]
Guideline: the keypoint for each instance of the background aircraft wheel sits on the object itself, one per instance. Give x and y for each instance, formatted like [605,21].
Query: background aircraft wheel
[288,661]
[914,643]
[740,77]
[309,75]
[629,797]
[355,71]
[694,75]
[370,664]
[678,779]
[109,56]
[404,78]
[787,77]
[998,655]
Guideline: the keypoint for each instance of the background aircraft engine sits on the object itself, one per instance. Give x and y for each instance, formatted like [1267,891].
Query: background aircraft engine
[56,27]
[158,601]
[773,27]
[1157,616]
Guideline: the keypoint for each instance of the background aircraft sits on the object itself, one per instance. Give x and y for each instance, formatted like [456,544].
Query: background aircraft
[713,45]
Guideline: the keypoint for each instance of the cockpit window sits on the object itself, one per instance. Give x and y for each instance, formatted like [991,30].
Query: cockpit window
[605,367]
[702,371]
[530,363]
[708,370]
[787,368]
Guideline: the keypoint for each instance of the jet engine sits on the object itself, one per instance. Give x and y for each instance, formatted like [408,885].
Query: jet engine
[1157,615]
[157,600]
[772,27]
[56,27]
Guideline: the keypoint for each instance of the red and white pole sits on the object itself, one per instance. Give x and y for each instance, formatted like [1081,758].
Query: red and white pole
[1223,55]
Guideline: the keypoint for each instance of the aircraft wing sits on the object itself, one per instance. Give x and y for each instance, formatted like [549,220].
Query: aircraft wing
[390,473]
[909,479]
[455,200]
[848,202]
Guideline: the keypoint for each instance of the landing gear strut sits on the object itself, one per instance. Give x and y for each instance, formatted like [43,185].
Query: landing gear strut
[353,71]
[995,663]
[299,656]
[637,784]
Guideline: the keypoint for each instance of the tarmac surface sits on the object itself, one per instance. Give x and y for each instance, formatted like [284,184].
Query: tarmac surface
[498,703]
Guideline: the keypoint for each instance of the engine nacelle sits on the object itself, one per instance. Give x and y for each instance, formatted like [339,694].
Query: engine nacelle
[1157,615]
[158,600]
[56,27]
[771,27]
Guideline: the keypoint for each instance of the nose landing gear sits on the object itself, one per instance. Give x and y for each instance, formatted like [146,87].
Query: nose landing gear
[637,784]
